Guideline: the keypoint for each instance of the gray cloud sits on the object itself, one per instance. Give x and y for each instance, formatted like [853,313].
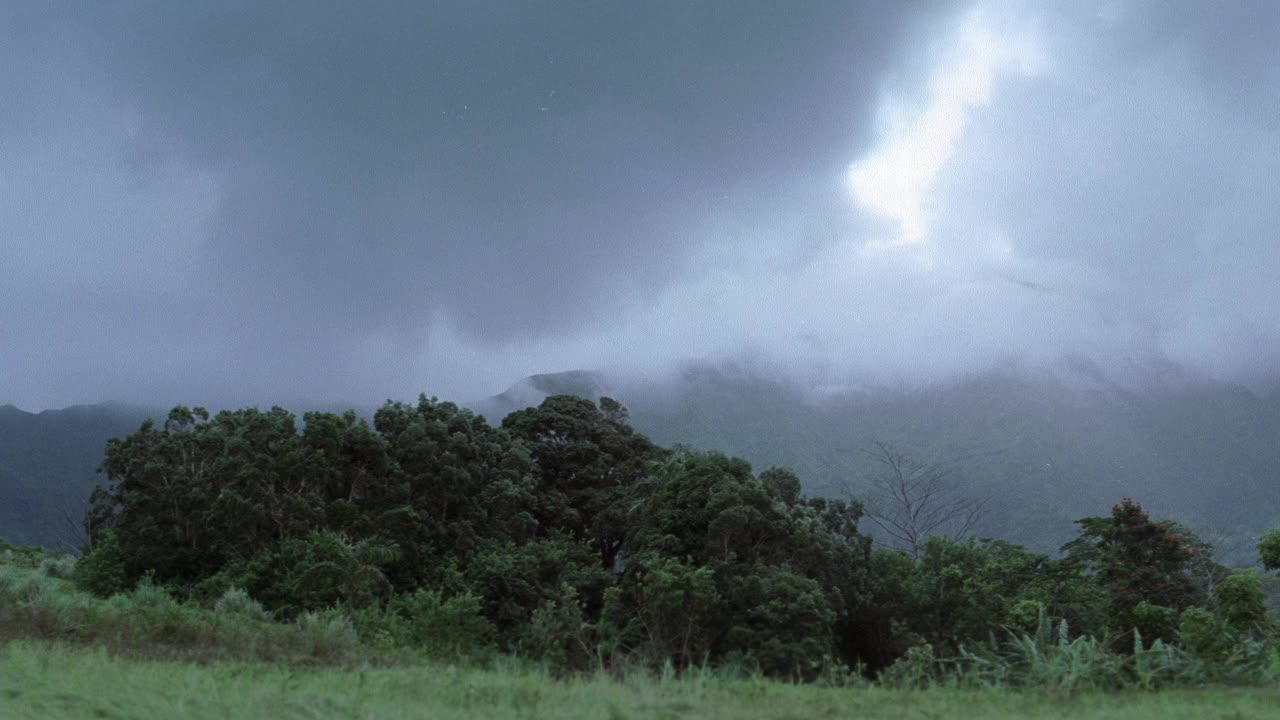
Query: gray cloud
[253,202]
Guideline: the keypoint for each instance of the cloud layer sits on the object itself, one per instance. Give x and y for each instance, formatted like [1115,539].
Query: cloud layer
[256,203]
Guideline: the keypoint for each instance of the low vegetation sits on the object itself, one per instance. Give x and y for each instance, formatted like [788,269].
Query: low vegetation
[41,681]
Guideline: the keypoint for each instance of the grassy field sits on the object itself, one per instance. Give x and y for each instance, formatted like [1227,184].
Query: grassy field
[41,680]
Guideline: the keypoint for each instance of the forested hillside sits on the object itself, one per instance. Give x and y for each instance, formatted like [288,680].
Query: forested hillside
[1043,448]
[565,537]
[48,464]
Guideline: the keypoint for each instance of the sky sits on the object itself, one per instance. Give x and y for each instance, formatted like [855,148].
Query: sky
[256,202]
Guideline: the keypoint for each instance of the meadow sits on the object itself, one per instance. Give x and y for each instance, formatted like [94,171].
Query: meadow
[40,680]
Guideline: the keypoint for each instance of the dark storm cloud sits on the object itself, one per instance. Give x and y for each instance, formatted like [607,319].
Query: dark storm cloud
[509,164]
[522,169]
[250,202]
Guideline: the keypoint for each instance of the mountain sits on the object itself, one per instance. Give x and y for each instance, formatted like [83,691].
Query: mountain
[1044,448]
[48,464]
[534,389]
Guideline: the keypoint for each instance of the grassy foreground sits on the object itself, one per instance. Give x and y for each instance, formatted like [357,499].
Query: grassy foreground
[43,680]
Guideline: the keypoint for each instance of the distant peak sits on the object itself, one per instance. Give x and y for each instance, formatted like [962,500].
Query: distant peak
[12,409]
[571,382]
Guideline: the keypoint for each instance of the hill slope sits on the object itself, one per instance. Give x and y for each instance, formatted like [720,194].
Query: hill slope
[1045,448]
[47,468]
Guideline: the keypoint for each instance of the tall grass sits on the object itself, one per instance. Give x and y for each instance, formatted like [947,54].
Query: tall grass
[149,622]
[1050,659]
[41,680]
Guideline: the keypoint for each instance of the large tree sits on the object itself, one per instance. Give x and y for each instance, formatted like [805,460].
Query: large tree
[1137,560]
[587,457]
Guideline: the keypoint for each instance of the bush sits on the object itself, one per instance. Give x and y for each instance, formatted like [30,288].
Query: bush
[559,636]
[102,572]
[60,568]
[916,670]
[1046,660]
[1242,602]
[1269,550]
[1154,622]
[381,626]
[787,626]
[236,602]
[452,628]
[1204,635]
[1224,654]
[327,635]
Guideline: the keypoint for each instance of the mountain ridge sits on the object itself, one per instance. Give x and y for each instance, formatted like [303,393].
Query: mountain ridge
[1045,448]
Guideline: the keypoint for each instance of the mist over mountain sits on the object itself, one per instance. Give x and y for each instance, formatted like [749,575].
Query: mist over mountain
[1044,447]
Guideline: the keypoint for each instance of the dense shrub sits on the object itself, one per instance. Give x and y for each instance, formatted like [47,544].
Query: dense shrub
[59,567]
[445,627]
[150,622]
[1242,603]
[236,602]
[101,571]
[1269,550]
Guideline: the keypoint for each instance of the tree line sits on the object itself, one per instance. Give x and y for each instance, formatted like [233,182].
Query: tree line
[565,536]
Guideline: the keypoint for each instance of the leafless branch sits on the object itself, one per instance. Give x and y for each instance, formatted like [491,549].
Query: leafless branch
[911,501]
[72,535]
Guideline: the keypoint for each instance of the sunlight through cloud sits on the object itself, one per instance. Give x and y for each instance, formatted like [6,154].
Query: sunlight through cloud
[895,179]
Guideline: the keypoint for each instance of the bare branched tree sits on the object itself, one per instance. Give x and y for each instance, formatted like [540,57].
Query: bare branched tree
[911,501]
[73,537]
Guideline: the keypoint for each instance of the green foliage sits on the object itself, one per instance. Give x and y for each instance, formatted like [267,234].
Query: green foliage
[787,625]
[1154,622]
[1225,654]
[959,593]
[1042,661]
[59,567]
[445,627]
[1204,635]
[238,603]
[1137,560]
[1242,604]
[672,611]
[567,539]
[327,635]
[721,553]
[915,670]
[1050,659]
[559,636]
[513,581]
[1269,550]
[101,571]
[43,680]
[333,565]
[782,482]
[149,622]
[587,457]
[27,556]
